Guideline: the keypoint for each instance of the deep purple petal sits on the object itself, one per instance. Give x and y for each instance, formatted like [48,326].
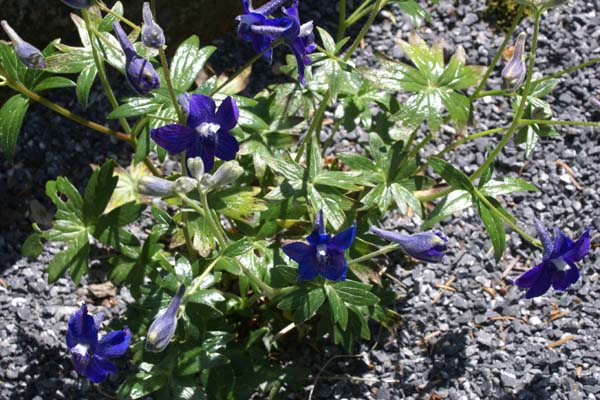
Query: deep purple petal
[579,249]
[114,344]
[226,146]
[299,52]
[542,284]
[530,277]
[318,235]
[307,270]
[561,280]
[202,109]
[82,329]
[298,251]
[227,114]
[336,266]
[544,237]
[344,239]
[203,147]
[562,243]
[98,369]
[427,246]
[174,138]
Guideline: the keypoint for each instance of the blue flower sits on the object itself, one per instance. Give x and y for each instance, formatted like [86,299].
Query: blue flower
[256,27]
[91,358]
[29,55]
[425,246]
[558,265]
[152,34]
[163,327]
[515,70]
[79,4]
[206,133]
[324,254]
[140,73]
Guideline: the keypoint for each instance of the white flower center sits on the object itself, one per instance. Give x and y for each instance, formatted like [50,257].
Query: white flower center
[322,253]
[81,349]
[560,264]
[207,129]
[306,29]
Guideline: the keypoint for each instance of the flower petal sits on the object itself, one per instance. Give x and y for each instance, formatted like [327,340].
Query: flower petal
[203,147]
[343,240]
[544,237]
[227,115]
[307,270]
[530,277]
[202,109]
[98,369]
[579,249]
[336,266]
[561,280]
[114,344]
[226,146]
[298,251]
[82,329]
[562,243]
[542,284]
[174,138]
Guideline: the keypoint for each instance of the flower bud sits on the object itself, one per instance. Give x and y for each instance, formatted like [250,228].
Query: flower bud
[425,246]
[155,186]
[224,175]
[140,73]
[185,185]
[195,168]
[29,55]
[152,34]
[163,327]
[515,70]
[79,4]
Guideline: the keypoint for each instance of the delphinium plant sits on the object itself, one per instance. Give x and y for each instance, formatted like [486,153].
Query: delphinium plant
[258,234]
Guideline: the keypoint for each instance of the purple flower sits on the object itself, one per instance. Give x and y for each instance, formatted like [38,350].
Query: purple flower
[91,358]
[206,133]
[261,31]
[29,55]
[139,72]
[558,265]
[324,254]
[79,4]
[425,246]
[152,34]
[163,327]
[515,70]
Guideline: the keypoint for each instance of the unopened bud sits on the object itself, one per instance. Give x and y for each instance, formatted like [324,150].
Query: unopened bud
[185,185]
[195,168]
[152,34]
[515,70]
[29,55]
[163,327]
[155,186]
[225,174]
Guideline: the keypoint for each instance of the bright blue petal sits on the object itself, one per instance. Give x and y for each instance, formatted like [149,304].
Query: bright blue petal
[562,243]
[542,284]
[227,114]
[530,277]
[174,138]
[82,329]
[307,270]
[544,237]
[113,344]
[202,109]
[344,239]
[98,369]
[579,249]
[336,266]
[298,251]
[226,146]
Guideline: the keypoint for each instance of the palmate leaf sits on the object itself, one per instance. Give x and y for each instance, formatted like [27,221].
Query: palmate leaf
[435,87]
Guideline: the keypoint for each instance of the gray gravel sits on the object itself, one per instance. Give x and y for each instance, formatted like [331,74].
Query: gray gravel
[484,340]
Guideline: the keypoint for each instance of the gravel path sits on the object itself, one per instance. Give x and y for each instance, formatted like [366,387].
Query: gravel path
[481,341]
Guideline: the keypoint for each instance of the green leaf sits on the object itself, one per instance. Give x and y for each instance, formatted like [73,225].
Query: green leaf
[355,293]
[134,107]
[99,189]
[351,180]
[32,247]
[328,41]
[143,145]
[495,228]
[85,81]
[405,199]
[329,205]
[506,185]
[455,178]
[230,265]
[54,82]
[239,203]
[12,114]
[146,384]
[107,22]
[338,308]
[415,12]
[76,256]
[313,300]
[189,59]
[238,248]
[69,63]
[456,201]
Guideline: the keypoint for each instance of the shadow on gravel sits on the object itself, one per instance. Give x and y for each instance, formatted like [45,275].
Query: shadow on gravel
[533,390]
[448,360]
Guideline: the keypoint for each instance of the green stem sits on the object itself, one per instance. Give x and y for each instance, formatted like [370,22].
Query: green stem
[378,6]
[568,70]
[201,277]
[246,66]
[381,251]
[102,71]
[268,290]
[474,136]
[496,92]
[558,122]
[496,58]
[357,14]
[192,203]
[419,146]
[211,221]
[121,18]
[165,66]
[186,231]
[316,123]
[341,21]
[515,124]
